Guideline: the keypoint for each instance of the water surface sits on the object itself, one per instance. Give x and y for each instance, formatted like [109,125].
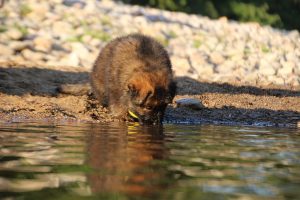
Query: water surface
[121,161]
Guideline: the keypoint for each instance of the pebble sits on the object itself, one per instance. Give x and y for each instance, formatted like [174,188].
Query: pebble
[287,68]
[31,55]
[14,34]
[191,103]
[6,51]
[71,59]
[42,44]
[216,58]
[72,32]
[180,65]
[80,50]
[20,45]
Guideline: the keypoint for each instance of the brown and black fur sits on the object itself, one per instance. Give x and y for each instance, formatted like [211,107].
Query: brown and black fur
[134,73]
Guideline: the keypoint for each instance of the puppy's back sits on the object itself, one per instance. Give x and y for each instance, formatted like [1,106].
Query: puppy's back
[122,59]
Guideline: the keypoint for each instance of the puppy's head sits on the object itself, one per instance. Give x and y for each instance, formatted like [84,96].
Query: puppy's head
[150,94]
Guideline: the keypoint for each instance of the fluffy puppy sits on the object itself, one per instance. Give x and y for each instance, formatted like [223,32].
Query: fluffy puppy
[133,77]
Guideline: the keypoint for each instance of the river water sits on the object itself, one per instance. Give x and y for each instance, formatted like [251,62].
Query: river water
[128,161]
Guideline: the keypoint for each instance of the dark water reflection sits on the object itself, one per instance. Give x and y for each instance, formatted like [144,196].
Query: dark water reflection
[121,161]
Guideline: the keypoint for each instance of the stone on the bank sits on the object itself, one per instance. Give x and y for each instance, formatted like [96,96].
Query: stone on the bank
[205,71]
[70,60]
[276,80]
[287,68]
[14,34]
[38,11]
[5,50]
[199,47]
[20,45]
[42,44]
[191,103]
[181,66]
[62,29]
[265,68]
[226,68]
[216,58]
[77,3]
[79,49]
[31,55]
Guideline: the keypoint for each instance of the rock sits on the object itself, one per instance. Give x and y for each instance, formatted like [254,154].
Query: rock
[181,66]
[42,44]
[76,3]
[38,11]
[205,71]
[6,50]
[287,68]
[276,80]
[72,32]
[80,50]
[62,29]
[31,55]
[20,45]
[70,60]
[216,58]
[226,68]
[265,68]
[194,104]
[14,34]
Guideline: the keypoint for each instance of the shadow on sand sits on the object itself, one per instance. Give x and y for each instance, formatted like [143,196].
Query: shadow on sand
[188,86]
[37,81]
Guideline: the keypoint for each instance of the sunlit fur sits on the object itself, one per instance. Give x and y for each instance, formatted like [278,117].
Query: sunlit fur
[134,73]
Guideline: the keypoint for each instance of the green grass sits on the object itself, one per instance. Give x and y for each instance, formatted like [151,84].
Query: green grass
[106,21]
[22,29]
[25,10]
[77,38]
[172,34]
[3,29]
[197,43]
[98,34]
[265,49]
[163,41]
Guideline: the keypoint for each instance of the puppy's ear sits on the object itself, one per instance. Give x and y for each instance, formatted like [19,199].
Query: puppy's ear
[132,90]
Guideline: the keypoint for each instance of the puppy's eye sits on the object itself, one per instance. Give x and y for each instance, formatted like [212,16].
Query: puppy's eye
[148,107]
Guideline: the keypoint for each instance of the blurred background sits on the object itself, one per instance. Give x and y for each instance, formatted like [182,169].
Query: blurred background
[248,41]
[280,13]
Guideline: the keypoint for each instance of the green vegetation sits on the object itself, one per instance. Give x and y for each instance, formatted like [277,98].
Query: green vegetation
[280,13]
[265,49]
[98,34]
[163,41]
[3,29]
[106,21]
[25,10]
[197,43]
[76,38]
[22,29]
[172,34]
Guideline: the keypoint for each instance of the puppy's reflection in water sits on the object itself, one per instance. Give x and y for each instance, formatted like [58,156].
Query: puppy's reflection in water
[125,159]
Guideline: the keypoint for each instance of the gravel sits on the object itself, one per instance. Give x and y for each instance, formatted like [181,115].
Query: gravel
[72,32]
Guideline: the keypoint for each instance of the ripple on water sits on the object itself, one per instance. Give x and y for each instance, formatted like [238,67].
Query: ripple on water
[129,161]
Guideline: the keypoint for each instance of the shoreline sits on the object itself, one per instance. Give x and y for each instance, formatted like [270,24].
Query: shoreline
[29,93]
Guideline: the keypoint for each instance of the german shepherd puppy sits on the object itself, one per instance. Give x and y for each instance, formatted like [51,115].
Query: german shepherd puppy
[132,76]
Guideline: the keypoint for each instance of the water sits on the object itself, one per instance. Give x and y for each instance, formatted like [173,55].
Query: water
[119,161]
